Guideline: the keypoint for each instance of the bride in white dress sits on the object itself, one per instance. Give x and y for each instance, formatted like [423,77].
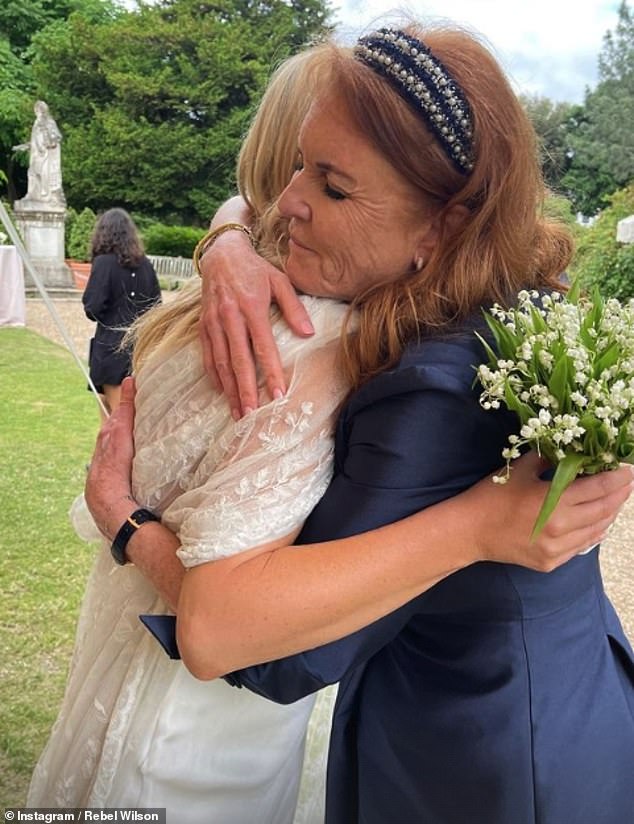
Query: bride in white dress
[135,728]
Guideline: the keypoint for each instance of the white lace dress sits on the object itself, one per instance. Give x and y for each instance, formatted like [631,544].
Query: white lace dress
[135,728]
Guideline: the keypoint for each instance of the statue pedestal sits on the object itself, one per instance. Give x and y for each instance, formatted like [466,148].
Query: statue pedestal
[42,228]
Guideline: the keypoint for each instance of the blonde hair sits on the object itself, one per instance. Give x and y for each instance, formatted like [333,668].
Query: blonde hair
[268,156]
[265,165]
[503,243]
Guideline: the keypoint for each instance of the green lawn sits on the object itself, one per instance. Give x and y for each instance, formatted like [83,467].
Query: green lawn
[48,423]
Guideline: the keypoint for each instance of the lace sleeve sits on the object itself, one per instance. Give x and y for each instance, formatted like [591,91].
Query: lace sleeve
[274,465]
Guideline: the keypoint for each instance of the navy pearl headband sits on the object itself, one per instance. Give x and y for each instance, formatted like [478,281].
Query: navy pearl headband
[423,81]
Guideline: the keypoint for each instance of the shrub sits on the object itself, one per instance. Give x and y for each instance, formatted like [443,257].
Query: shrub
[173,241]
[600,259]
[79,235]
[559,208]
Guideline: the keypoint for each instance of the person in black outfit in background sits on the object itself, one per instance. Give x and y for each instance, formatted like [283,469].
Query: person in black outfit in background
[122,286]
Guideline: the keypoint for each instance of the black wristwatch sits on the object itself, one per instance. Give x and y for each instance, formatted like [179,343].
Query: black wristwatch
[130,526]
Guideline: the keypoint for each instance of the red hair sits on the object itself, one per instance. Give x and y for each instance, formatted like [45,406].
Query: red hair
[502,245]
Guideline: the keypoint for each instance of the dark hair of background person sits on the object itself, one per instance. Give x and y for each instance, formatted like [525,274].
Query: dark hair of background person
[115,233]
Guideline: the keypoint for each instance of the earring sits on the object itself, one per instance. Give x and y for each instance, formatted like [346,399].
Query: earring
[418,264]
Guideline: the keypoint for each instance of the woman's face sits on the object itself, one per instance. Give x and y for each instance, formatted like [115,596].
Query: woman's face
[354,220]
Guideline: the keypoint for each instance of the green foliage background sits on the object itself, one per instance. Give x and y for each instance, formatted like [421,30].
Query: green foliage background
[79,229]
[601,137]
[152,102]
[174,241]
[600,259]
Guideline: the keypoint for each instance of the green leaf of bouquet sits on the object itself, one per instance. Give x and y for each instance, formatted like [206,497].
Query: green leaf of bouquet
[494,326]
[557,349]
[538,321]
[565,473]
[505,340]
[624,447]
[597,298]
[604,438]
[588,421]
[591,444]
[607,358]
[596,313]
[558,382]
[491,355]
[628,458]
[516,405]
[586,338]
[572,295]
[540,372]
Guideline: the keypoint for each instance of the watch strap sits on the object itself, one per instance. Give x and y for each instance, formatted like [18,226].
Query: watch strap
[127,530]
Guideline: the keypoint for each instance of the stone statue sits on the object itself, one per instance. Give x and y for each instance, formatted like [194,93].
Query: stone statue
[41,214]
[45,166]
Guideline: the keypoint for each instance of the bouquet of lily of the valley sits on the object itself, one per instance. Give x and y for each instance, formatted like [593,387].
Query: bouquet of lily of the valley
[565,365]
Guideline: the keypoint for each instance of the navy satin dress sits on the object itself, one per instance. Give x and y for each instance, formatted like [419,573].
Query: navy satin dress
[501,696]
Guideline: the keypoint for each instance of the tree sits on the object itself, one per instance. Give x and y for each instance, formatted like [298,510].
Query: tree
[14,111]
[603,142]
[552,123]
[153,104]
[20,21]
[600,259]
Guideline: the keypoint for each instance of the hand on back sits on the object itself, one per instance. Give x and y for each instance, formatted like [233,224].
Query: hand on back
[108,485]
[235,326]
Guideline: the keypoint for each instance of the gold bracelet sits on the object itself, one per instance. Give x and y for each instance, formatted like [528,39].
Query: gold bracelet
[208,239]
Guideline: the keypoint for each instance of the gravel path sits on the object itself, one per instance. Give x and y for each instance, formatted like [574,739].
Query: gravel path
[617,554]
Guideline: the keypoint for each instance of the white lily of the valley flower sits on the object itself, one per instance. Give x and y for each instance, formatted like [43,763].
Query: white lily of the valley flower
[566,367]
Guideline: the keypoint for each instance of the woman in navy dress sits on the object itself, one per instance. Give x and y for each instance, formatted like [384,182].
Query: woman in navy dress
[122,286]
[501,695]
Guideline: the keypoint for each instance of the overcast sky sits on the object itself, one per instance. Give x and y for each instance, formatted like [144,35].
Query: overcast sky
[548,47]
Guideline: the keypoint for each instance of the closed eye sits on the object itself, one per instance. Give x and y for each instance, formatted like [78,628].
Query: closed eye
[333,193]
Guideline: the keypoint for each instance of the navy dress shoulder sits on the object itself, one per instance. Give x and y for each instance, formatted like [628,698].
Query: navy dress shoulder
[502,695]
[114,296]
